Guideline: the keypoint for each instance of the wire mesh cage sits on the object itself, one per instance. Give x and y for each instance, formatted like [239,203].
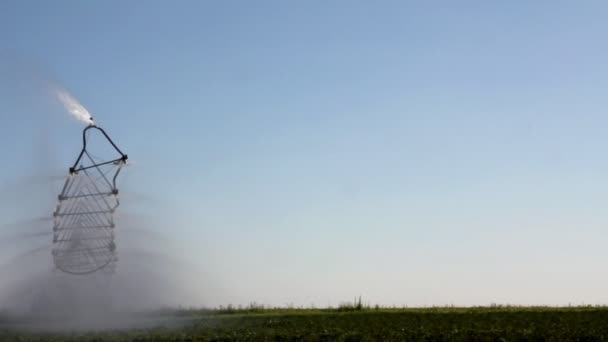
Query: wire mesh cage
[83,229]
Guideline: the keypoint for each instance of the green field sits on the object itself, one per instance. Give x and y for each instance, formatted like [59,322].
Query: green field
[365,324]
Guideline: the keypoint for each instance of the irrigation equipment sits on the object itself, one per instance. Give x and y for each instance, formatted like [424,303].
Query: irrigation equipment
[83,229]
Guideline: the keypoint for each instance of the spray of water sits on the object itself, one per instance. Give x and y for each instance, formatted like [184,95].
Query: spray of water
[148,277]
[150,274]
[77,110]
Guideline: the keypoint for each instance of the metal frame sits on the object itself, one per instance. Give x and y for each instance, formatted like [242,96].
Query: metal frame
[83,229]
[123,157]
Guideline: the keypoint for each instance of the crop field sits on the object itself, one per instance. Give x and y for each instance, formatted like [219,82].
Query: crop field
[356,324]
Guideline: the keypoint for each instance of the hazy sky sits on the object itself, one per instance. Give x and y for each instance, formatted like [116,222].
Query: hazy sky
[413,153]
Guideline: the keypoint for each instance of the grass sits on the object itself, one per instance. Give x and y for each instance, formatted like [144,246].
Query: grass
[355,322]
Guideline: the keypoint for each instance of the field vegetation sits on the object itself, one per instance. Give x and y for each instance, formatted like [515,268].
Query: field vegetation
[352,322]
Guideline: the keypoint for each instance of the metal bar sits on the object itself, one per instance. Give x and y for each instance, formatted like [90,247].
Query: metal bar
[90,212]
[88,195]
[101,164]
[85,227]
[83,249]
[86,239]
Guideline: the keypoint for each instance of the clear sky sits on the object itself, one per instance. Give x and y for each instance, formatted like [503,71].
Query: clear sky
[411,152]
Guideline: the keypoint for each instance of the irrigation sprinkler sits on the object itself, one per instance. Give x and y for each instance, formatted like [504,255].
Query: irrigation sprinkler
[83,229]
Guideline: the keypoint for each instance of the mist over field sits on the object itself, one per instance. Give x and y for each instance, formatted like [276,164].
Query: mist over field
[152,272]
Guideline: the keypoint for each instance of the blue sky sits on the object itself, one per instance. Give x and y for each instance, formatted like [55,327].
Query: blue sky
[413,153]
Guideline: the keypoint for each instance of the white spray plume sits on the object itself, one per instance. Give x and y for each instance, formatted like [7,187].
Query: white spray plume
[73,106]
